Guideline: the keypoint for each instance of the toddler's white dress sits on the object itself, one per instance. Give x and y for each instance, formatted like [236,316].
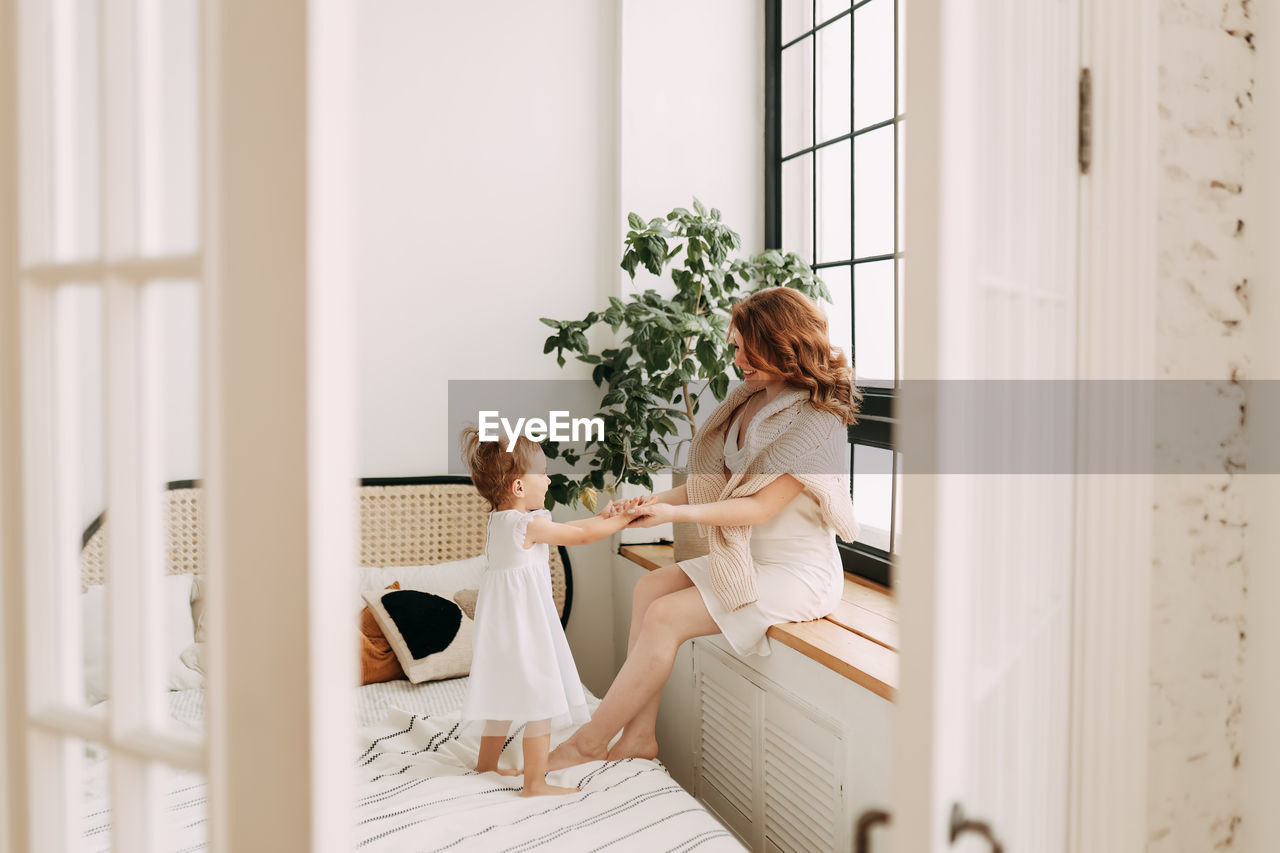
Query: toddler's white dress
[521,667]
[799,575]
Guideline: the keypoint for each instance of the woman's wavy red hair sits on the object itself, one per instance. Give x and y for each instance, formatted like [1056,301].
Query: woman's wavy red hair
[784,332]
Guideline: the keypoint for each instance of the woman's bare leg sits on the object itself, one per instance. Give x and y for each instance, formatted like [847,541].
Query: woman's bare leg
[639,738]
[668,622]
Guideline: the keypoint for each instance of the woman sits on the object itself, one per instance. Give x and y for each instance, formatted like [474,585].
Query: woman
[769,486]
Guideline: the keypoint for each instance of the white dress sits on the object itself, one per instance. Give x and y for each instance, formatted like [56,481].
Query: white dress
[521,666]
[799,575]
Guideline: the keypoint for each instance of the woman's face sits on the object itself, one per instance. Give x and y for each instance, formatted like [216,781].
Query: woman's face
[751,375]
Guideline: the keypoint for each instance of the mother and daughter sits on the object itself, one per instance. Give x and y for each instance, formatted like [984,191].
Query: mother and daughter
[768,485]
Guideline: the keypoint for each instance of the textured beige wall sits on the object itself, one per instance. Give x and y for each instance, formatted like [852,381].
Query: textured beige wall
[1199,574]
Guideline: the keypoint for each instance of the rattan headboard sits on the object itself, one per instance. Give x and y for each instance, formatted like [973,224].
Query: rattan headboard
[404,521]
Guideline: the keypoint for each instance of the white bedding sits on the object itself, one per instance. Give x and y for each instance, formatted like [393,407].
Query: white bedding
[416,792]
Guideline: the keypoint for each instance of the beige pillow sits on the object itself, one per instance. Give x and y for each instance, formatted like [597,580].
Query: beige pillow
[430,634]
[466,599]
[198,607]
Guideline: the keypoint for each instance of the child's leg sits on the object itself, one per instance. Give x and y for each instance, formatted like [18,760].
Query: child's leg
[537,741]
[495,735]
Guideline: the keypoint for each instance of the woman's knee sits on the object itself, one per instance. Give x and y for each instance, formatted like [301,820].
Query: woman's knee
[661,616]
[654,585]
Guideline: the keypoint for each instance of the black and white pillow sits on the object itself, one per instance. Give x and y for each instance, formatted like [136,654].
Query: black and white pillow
[430,634]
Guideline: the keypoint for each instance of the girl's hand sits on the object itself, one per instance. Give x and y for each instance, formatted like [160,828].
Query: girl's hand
[627,507]
[652,514]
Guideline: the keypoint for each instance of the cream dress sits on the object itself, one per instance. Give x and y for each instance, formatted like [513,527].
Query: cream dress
[521,666]
[798,570]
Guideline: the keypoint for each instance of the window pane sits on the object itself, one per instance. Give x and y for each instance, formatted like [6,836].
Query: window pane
[873,63]
[874,322]
[833,79]
[797,206]
[797,96]
[828,9]
[872,479]
[901,197]
[184,797]
[95,815]
[797,17]
[873,177]
[79,455]
[75,127]
[834,202]
[902,56]
[170,346]
[169,136]
[840,309]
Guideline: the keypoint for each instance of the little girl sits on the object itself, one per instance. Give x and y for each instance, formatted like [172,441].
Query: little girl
[522,670]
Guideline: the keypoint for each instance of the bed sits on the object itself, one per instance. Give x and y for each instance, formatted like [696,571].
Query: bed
[415,791]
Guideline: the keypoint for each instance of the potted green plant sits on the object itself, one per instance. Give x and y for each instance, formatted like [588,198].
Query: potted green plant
[670,350]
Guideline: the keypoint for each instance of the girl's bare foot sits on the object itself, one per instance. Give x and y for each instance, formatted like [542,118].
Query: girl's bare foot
[643,745]
[500,770]
[543,789]
[573,752]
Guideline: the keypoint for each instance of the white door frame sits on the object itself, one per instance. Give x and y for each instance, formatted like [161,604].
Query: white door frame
[1111,647]
[1116,340]
[279,438]
[14,831]
[280,452]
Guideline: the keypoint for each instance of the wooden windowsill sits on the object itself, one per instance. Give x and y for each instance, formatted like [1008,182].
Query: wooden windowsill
[859,640]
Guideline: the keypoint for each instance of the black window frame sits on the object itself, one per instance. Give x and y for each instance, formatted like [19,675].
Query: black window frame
[876,423]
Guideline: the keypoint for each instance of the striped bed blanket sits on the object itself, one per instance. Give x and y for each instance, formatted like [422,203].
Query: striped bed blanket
[416,790]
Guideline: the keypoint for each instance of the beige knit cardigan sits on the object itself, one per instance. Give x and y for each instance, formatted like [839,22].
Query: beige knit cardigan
[787,436]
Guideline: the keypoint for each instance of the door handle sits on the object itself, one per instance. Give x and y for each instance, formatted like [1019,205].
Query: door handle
[961,824]
[862,829]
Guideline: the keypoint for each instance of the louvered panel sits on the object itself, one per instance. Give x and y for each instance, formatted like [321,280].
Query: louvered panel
[725,705]
[728,743]
[800,766]
[782,831]
[727,730]
[803,791]
[788,812]
[727,777]
[800,794]
[727,746]
[728,739]
[728,772]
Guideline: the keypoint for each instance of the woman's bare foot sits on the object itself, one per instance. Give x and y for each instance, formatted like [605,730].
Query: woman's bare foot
[573,752]
[643,745]
[541,790]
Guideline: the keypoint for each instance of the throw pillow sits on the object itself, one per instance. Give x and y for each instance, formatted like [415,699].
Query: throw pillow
[377,659]
[429,634]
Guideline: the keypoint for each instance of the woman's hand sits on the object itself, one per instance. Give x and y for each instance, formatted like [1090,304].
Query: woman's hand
[629,506]
[652,514]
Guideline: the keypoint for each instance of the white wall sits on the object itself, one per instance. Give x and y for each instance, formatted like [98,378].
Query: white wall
[499,147]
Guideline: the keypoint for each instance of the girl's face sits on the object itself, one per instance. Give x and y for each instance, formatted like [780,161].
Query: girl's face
[535,482]
[752,375]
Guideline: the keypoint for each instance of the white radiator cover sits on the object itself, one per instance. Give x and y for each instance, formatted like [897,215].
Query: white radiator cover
[787,753]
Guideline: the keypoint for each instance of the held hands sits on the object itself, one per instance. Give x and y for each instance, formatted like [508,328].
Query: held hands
[637,507]
[653,514]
